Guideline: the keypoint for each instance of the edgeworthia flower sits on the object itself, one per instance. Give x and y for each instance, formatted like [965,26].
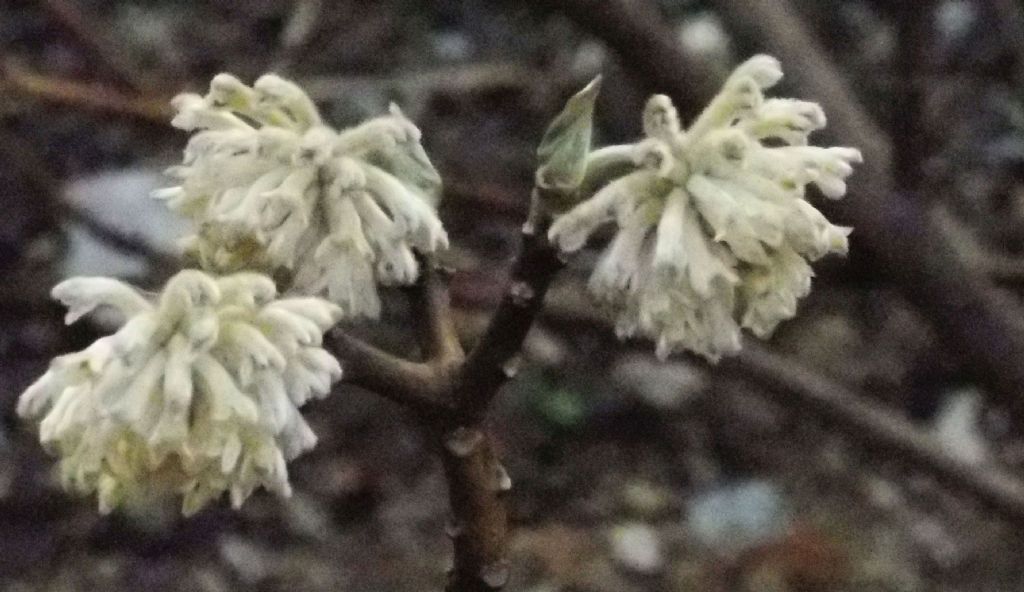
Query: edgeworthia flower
[713,230]
[196,394]
[271,187]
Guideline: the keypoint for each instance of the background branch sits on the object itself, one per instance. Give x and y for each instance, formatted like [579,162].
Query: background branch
[91,96]
[876,428]
[982,324]
[648,48]
[911,248]
[914,23]
[110,56]
[24,159]
[880,429]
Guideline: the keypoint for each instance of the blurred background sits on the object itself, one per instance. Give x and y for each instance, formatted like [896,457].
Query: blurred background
[875,443]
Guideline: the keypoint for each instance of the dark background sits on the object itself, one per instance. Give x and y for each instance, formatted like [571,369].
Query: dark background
[873,446]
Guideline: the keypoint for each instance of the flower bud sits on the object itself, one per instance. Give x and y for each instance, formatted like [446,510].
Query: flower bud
[563,150]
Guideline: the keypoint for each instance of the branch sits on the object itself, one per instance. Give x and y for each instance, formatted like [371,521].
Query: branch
[915,44]
[881,429]
[90,96]
[478,527]
[968,314]
[877,428]
[495,358]
[91,37]
[459,80]
[29,165]
[636,30]
[965,309]
[1005,270]
[453,391]
[431,309]
[476,480]
[410,384]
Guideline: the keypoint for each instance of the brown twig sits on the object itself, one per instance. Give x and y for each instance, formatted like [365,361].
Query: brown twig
[452,391]
[478,527]
[91,37]
[877,428]
[496,357]
[431,304]
[412,384]
[477,481]
[967,312]
[425,386]
[91,96]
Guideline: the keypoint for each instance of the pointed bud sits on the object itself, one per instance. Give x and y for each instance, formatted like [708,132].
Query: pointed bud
[563,150]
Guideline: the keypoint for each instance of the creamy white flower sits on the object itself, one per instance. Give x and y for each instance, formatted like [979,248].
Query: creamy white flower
[714,231]
[196,394]
[270,187]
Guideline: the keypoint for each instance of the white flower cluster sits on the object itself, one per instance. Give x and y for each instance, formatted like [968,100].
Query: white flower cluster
[270,187]
[196,394]
[714,233]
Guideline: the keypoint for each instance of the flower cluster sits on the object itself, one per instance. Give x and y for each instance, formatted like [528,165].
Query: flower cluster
[713,230]
[196,394]
[270,187]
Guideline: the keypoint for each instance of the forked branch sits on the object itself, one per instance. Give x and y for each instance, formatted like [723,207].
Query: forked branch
[451,391]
